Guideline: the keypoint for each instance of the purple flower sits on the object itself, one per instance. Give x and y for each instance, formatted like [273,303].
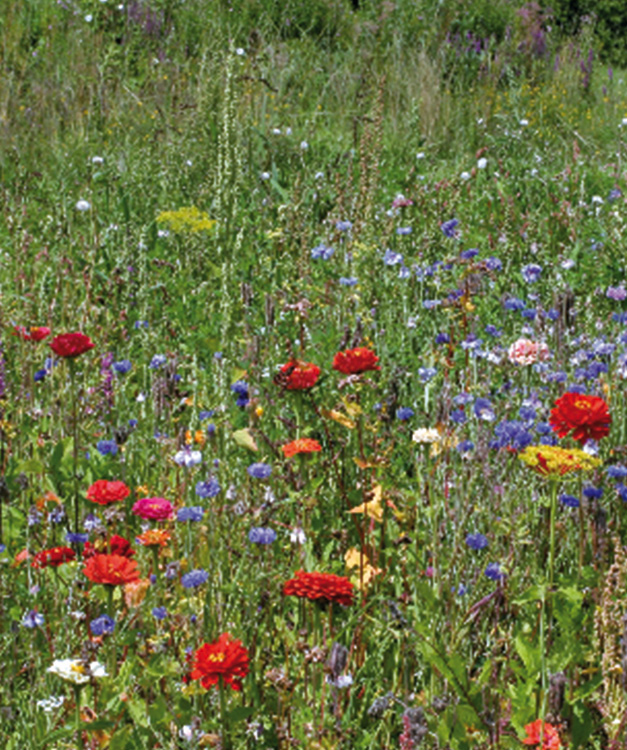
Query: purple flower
[322,252]
[404,413]
[616,472]
[122,367]
[448,228]
[531,273]
[493,571]
[240,388]
[442,338]
[403,230]
[210,488]
[570,501]
[483,410]
[617,293]
[348,281]
[469,254]
[76,538]
[103,625]
[391,258]
[477,541]
[32,619]
[514,304]
[259,470]
[465,446]
[190,513]
[343,226]
[159,613]
[458,416]
[157,361]
[593,493]
[107,447]
[194,578]
[261,535]
[494,264]
[427,373]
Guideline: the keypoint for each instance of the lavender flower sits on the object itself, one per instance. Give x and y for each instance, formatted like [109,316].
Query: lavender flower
[194,578]
[259,470]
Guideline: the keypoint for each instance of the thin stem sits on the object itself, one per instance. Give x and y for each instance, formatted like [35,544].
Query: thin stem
[226,739]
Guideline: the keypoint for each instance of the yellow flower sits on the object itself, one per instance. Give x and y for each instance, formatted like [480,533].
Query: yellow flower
[187,219]
[553,462]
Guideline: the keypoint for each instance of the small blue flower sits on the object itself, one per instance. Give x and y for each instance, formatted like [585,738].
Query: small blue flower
[157,361]
[477,541]
[194,578]
[404,413]
[404,230]
[493,571]
[141,324]
[513,304]
[616,472]
[570,501]
[107,447]
[494,264]
[32,619]
[240,388]
[40,375]
[261,535]
[553,314]
[430,304]
[159,613]
[462,399]
[427,373]
[348,281]
[469,254]
[343,226]
[103,625]
[442,338]
[76,537]
[593,493]
[91,522]
[202,415]
[210,488]
[190,513]
[465,446]
[458,416]
[122,367]
[448,228]
[531,272]
[259,470]
[322,252]
[391,258]
[483,410]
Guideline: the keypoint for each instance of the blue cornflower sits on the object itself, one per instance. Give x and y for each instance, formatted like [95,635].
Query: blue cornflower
[91,522]
[458,416]
[40,375]
[259,470]
[391,258]
[76,537]
[469,254]
[514,304]
[483,410]
[159,613]
[261,535]
[529,314]
[527,413]
[570,501]
[494,264]
[194,578]
[531,273]
[404,413]
[461,590]
[190,513]
[107,447]
[32,619]
[141,324]
[403,272]
[427,373]
[553,314]
[477,541]
[240,388]
[622,491]
[512,434]
[492,330]
[210,488]
[429,304]
[103,625]
[462,399]
[493,571]
[543,428]
[157,361]
[206,414]
[614,195]
[122,367]
[448,228]
[348,281]
[403,230]
[442,338]
[616,472]
[322,252]
[343,226]
[57,515]
[465,446]
[593,493]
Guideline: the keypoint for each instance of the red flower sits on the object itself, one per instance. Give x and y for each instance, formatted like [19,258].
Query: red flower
[225,658]
[302,445]
[298,376]
[116,545]
[355,361]
[154,508]
[104,492]
[52,558]
[587,417]
[551,739]
[71,345]
[113,570]
[34,333]
[315,586]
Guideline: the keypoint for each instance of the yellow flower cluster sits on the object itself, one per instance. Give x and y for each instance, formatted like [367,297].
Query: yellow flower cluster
[186,219]
[553,462]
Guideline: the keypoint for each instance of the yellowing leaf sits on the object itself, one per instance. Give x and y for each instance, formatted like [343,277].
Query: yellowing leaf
[245,439]
[358,566]
[373,508]
[353,409]
[337,416]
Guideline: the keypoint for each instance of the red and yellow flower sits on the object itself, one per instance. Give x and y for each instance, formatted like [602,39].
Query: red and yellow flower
[115,545]
[302,445]
[552,461]
[105,492]
[298,376]
[113,570]
[583,417]
[34,333]
[154,538]
[320,586]
[223,660]
[355,361]
[53,557]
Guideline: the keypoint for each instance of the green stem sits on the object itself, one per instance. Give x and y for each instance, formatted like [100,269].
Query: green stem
[74,442]
[79,733]
[552,533]
[226,738]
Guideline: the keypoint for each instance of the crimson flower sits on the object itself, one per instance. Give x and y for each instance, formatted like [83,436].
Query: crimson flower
[298,376]
[113,570]
[154,508]
[550,736]
[225,659]
[315,586]
[104,492]
[355,361]
[585,417]
[70,345]
[34,333]
[302,445]
[53,557]
[116,545]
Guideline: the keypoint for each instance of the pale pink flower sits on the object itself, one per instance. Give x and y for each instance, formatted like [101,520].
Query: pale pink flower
[526,352]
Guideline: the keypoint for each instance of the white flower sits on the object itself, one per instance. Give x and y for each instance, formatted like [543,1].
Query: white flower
[482,163]
[304,145]
[73,670]
[420,155]
[624,122]
[465,176]
[83,205]
[265,175]
[288,131]
[97,160]
[50,704]
[297,536]
[188,458]
[239,51]
[426,435]
[89,18]
[319,176]
[568,264]
[524,122]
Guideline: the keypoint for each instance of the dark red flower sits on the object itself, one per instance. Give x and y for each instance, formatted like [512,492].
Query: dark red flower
[71,345]
[298,376]
[113,570]
[52,558]
[104,492]
[224,659]
[34,333]
[315,586]
[116,545]
[585,417]
[355,361]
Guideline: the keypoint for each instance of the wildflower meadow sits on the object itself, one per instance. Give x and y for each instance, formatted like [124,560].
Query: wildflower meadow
[313,363]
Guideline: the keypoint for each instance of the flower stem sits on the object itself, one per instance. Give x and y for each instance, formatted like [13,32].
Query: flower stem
[79,733]
[226,738]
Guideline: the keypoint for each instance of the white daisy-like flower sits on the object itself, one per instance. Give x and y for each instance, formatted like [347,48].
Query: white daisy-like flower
[75,671]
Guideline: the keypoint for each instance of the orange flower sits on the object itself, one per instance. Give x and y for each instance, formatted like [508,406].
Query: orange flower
[302,445]
[104,492]
[135,592]
[52,558]
[225,659]
[550,736]
[154,538]
[587,417]
[113,570]
[355,361]
[298,376]
[314,586]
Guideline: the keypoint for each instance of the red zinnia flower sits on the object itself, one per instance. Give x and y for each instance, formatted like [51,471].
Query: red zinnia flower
[224,659]
[551,739]
[154,508]
[302,445]
[587,417]
[34,333]
[71,345]
[315,586]
[355,361]
[113,570]
[116,545]
[52,558]
[104,492]
[298,376]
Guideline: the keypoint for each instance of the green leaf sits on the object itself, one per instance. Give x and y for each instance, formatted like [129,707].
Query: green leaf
[240,713]
[245,439]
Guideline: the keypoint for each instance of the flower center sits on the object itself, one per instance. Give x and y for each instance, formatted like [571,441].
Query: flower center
[217,657]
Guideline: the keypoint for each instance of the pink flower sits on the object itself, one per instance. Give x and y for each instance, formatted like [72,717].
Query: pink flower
[526,352]
[154,508]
